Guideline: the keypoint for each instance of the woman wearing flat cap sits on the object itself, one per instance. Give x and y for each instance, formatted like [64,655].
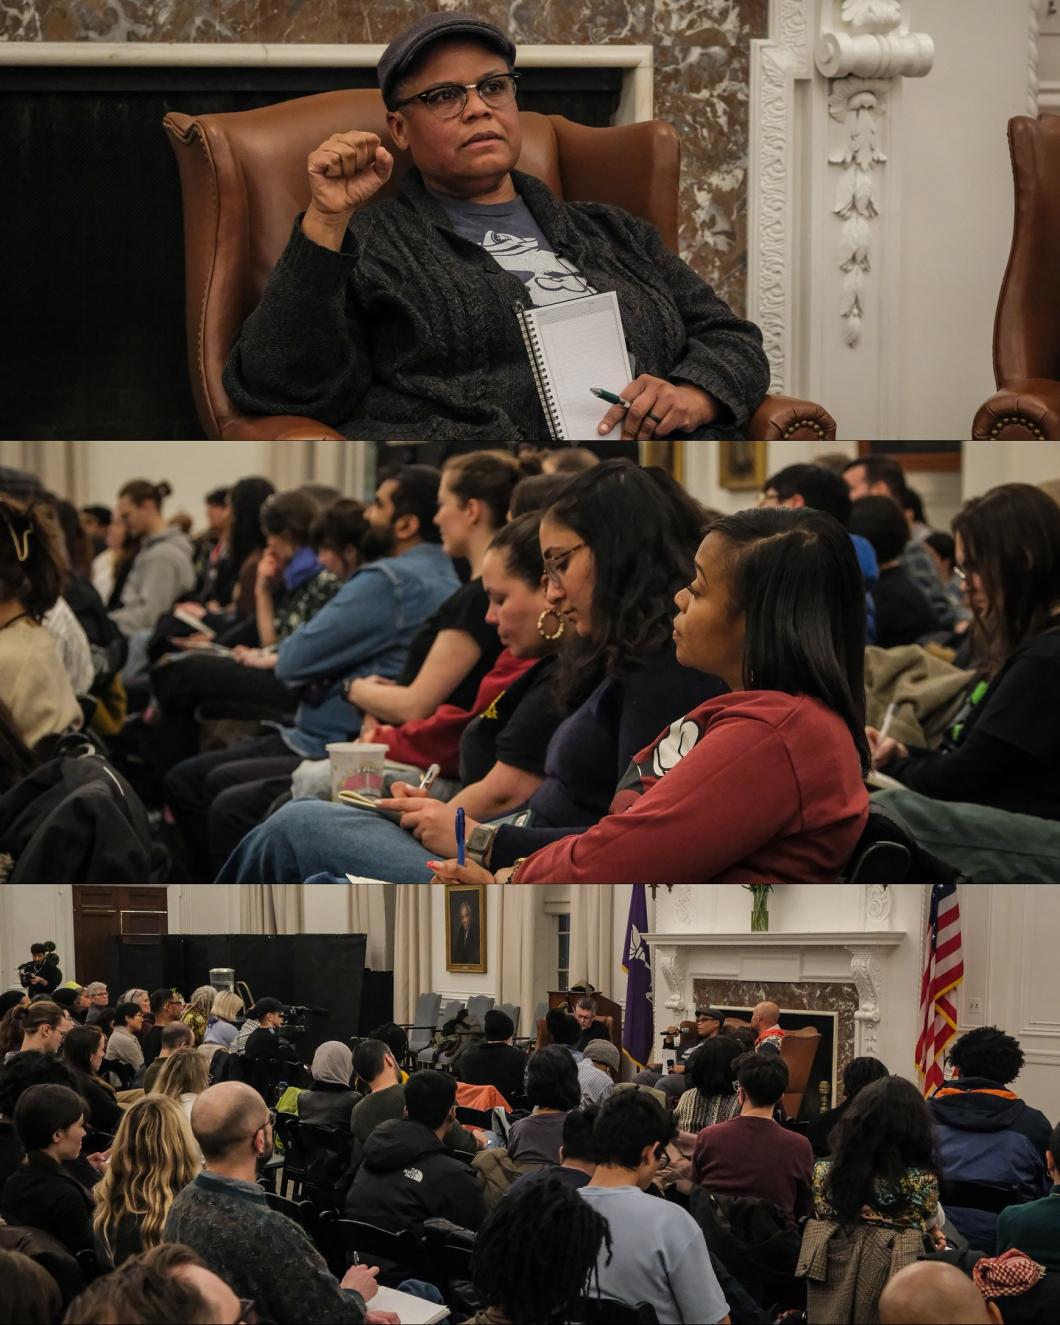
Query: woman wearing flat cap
[398,320]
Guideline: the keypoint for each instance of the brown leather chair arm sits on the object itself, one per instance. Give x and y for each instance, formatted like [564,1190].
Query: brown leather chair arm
[277,428]
[783,418]
[1029,407]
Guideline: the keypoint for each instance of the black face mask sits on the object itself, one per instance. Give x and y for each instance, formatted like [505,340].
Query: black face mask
[378,542]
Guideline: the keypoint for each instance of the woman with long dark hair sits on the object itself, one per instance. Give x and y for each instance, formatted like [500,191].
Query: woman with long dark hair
[83,1051]
[621,684]
[711,1095]
[761,785]
[1003,748]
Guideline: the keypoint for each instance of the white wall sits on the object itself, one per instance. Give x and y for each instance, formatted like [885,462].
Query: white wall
[190,468]
[34,914]
[986,464]
[702,469]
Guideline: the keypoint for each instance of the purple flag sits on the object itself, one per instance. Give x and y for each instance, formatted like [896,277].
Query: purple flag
[637,1031]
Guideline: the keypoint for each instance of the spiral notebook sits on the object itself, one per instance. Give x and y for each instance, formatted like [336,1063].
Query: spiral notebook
[573,346]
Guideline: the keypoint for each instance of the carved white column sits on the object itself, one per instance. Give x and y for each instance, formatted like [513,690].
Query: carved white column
[672,964]
[865,968]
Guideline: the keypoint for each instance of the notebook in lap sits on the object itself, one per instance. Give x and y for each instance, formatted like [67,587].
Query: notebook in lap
[573,346]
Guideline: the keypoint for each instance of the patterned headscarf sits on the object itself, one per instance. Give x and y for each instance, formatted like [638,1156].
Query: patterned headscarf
[1007,1275]
[333,1063]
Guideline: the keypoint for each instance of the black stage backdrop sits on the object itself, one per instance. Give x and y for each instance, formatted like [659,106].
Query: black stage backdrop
[320,970]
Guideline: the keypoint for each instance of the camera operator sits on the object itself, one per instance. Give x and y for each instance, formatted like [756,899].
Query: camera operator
[40,975]
[265,1042]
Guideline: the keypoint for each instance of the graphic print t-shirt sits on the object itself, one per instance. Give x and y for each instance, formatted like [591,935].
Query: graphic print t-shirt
[511,236]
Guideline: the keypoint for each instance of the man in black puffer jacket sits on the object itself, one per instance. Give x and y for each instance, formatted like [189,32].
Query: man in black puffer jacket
[409,1174]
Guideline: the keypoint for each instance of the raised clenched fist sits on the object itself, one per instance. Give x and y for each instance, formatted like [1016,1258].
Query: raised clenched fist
[344,172]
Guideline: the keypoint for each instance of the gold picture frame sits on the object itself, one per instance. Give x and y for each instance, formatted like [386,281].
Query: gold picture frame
[465,943]
[742,466]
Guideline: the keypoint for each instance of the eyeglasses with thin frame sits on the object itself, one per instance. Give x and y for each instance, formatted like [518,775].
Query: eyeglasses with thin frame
[556,565]
[447,100]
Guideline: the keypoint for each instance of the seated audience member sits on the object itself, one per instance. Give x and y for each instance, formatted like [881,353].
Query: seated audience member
[564,1030]
[858,1073]
[496,1061]
[175,1037]
[33,681]
[536,493]
[567,460]
[182,1077]
[154,1156]
[103,636]
[291,584]
[457,647]
[45,976]
[223,1215]
[98,999]
[753,1155]
[31,1296]
[584,1012]
[1002,749]
[95,521]
[765,1022]
[83,1051]
[330,1098]
[168,1283]
[323,337]
[711,1095]
[884,1168]
[166,1008]
[709,1022]
[409,1173]
[1035,1228]
[1018,1287]
[785,752]
[376,1066]
[568,1237]
[50,1125]
[942,548]
[162,569]
[19,1072]
[40,1026]
[221,1028]
[880,476]
[577,1153]
[598,1071]
[552,1090]
[986,1132]
[143,1000]
[253,1021]
[617,678]
[365,630]
[658,1254]
[112,564]
[197,1012]
[904,614]
[934,1293]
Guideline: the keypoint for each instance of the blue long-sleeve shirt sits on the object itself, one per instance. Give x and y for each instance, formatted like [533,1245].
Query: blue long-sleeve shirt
[366,628]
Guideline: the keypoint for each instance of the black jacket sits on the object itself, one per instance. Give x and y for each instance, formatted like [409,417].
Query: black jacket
[500,1065]
[328,1104]
[410,331]
[41,1195]
[408,1175]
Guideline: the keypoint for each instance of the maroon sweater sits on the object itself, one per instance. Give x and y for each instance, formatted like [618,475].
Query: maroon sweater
[755,786]
[756,1157]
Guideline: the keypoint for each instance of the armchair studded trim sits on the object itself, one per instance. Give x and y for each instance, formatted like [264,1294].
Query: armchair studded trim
[1021,410]
[783,418]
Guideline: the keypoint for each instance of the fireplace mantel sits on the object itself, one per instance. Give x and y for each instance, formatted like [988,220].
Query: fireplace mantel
[869,938]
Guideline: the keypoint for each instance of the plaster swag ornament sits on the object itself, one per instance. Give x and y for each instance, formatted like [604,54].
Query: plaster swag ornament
[856,105]
[875,14]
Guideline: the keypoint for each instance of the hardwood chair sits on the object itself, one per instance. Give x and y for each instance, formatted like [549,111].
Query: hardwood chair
[242,177]
[1026,325]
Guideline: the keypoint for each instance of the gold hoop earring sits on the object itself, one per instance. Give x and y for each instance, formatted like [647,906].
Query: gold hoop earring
[561,625]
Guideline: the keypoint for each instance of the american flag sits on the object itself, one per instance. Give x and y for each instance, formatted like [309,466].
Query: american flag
[943,971]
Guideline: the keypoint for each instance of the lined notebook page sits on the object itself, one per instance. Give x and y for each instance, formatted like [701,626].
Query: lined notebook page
[580,345]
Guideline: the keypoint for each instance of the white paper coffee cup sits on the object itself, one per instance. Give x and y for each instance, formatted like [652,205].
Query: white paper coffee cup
[356,766]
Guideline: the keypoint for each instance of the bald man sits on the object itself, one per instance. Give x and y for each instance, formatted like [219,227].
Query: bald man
[934,1293]
[764,1021]
[223,1215]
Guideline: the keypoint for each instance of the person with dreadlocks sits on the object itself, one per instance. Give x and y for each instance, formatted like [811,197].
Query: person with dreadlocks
[33,682]
[567,1236]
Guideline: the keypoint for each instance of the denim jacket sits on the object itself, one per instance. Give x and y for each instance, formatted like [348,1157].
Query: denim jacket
[366,628]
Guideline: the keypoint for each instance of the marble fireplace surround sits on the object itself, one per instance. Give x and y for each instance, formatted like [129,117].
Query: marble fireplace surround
[844,972]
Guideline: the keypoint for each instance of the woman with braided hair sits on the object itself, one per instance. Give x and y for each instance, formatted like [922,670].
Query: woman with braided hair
[566,1234]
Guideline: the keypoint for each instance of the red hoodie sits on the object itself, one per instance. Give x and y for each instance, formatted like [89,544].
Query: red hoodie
[751,787]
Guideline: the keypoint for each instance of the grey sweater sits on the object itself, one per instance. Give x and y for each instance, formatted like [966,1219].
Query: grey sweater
[260,1254]
[161,572]
[410,331]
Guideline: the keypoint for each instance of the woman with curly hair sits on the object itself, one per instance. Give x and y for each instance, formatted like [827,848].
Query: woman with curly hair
[184,1076]
[154,1156]
[197,1013]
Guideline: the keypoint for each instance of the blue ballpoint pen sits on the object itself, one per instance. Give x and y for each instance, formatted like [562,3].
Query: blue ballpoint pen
[460,856]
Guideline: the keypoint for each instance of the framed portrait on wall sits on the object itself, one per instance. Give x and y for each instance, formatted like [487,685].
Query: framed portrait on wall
[465,927]
[742,466]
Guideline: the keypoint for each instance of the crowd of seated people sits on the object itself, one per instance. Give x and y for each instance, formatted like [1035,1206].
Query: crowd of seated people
[706,1203]
[612,680]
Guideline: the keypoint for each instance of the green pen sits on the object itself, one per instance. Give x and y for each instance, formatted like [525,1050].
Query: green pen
[609,396]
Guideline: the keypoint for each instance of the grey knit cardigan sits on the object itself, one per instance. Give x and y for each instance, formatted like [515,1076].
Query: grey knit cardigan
[410,331]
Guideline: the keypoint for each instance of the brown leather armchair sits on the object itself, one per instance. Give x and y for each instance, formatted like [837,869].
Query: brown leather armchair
[243,181]
[1027,324]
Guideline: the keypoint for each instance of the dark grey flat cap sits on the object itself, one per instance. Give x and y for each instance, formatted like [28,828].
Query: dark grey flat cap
[405,47]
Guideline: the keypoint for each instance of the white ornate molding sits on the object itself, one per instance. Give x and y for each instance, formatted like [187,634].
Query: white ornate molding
[877,905]
[673,963]
[872,14]
[681,907]
[865,968]
[875,55]
[1034,26]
